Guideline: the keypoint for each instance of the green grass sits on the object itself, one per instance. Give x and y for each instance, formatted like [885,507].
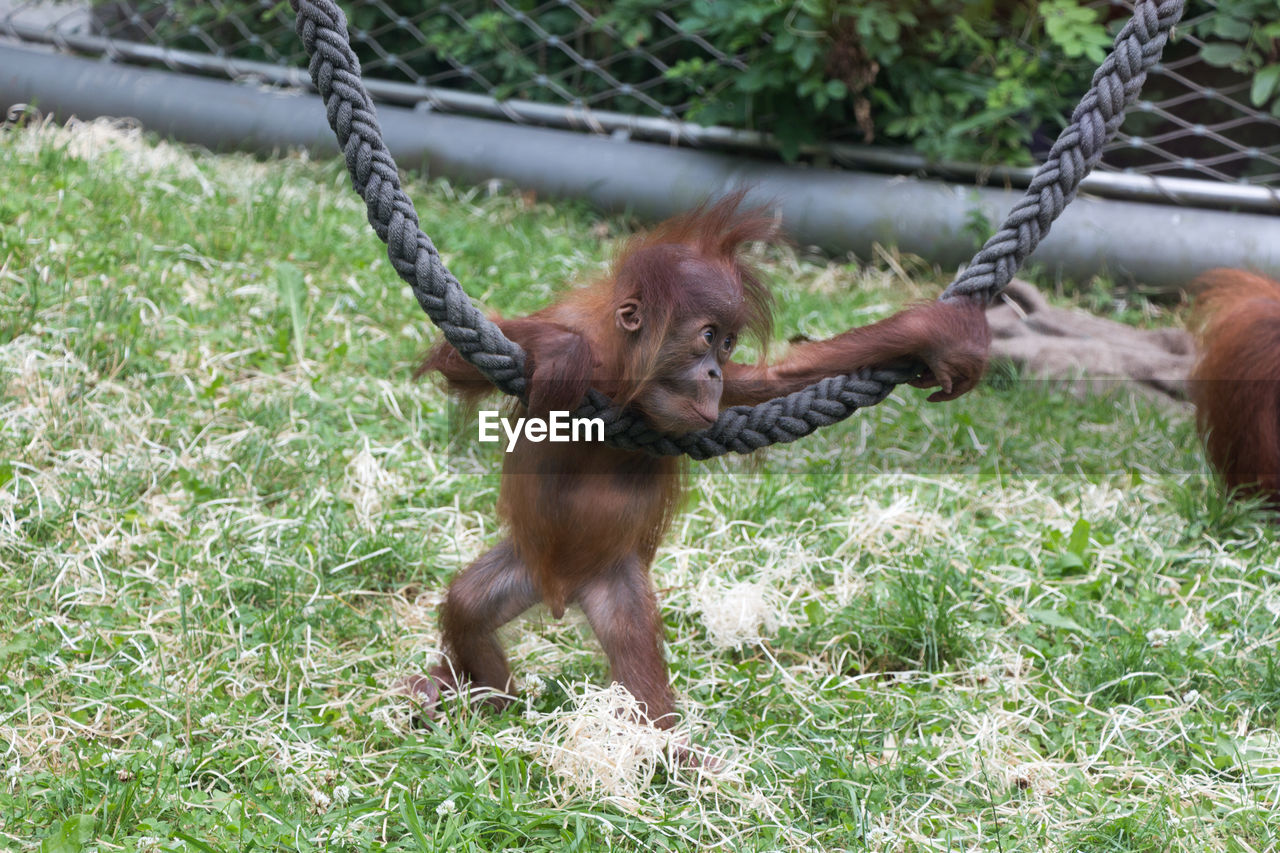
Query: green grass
[1017,622]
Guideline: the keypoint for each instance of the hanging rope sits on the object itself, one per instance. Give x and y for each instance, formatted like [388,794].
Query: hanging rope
[740,429]
[1078,149]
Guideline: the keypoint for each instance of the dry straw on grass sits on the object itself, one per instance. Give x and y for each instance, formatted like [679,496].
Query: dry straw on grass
[178,635]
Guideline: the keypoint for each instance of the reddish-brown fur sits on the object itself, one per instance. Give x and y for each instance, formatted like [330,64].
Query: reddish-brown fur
[1236,381]
[584,520]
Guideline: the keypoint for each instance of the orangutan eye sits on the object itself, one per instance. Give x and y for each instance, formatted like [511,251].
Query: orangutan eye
[728,344]
[709,335]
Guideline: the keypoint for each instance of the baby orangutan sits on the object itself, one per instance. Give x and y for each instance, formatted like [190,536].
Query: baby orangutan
[583,519]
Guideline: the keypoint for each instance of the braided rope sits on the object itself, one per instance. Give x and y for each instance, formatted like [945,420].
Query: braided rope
[1078,149]
[740,429]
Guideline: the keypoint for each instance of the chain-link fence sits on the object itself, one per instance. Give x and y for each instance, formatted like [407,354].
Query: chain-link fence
[700,73]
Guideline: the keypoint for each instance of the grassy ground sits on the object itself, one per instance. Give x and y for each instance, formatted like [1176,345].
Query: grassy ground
[1016,622]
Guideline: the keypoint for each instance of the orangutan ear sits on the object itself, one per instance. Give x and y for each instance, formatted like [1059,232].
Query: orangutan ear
[628,316]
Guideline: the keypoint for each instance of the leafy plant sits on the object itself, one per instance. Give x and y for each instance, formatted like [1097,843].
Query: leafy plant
[1075,29]
[1244,35]
[976,80]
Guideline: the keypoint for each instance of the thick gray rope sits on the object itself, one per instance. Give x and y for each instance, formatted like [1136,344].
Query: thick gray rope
[741,429]
[1078,149]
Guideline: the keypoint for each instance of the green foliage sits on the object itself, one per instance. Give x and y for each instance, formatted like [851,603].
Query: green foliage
[954,79]
[1068,554]
[919,624]
[1244,35]
[967,79]
[1147,832]
[1074,28]
[71,836]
